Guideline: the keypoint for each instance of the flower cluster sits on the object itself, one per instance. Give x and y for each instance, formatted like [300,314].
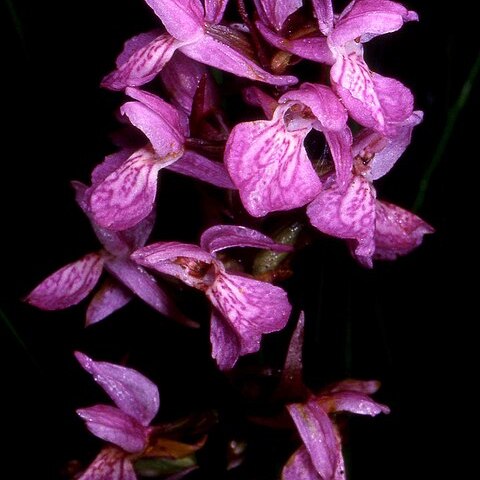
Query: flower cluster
[182,119]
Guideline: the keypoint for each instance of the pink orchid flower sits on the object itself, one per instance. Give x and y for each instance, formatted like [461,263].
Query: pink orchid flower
[194,29]
[243,308]
[375,229]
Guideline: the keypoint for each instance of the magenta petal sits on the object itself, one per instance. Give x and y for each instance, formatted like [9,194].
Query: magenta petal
[324,13]
[347,214]
[332,121]
[197,166]
[114,426]
[143,65]
[109,165]
[135,43]
[127,195]
[275,12]
[352,80]
[214,52]
[183,19]
[138,235]
[144,286]
[270,166]
[311,48]
[251,307]
[365,19]
[258,98]
[397,231]
[179,260]
[360,386]
[69,285]
[291,381]
[340,144]
[318,435]
[151,255]
[300,467]
[110,464]
[116,243]
[214,10]
[385,151]
[181,77]
[323,103]
[372,100]
[113,242]
[111,297]
[169,120]
[226,347]
[395,99]
[82,195]
[220,237]
[159,121]
[131,391]
[354,402]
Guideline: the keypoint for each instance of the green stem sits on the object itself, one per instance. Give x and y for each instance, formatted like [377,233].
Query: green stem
[453,114]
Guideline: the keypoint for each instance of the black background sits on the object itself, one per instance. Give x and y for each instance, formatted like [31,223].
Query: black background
[411,322]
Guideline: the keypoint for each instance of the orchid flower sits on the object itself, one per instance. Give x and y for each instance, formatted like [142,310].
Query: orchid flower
[127,195]
[267,159]
[372,100]
[320,457]
[376,229]
[194,30]
[243,308]
[72,283]
[126,426]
